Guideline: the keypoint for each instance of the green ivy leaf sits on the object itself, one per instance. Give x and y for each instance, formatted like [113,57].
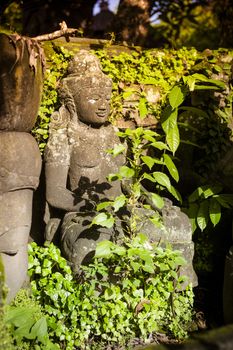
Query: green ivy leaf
[103,205]
[118,149]
[125,171]
[104,249]
[159,145]
[171,167]
[190,81]
[113,177]
[195,195]
[149,177]
[176,97]
[103,219]
[119,202]
[209,191]
[20,316]
[180,261]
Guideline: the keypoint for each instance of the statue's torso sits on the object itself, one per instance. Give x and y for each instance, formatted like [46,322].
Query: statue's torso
[90,163]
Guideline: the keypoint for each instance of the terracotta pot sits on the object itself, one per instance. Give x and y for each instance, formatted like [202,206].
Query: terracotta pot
[20,84]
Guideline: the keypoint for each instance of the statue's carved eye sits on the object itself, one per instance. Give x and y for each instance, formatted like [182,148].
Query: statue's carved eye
[95,97]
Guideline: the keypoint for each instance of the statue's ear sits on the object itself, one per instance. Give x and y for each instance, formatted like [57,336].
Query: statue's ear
[67,100]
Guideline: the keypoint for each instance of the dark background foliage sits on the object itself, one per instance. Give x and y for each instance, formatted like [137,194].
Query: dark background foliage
[199,23]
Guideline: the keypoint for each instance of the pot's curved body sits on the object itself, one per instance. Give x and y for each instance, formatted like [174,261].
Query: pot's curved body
[20,84]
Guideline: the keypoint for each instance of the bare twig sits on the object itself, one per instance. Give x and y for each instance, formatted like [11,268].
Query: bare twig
[64,31]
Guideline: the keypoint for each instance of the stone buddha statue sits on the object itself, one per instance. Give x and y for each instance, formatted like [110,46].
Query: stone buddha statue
[77,165]
[76,161]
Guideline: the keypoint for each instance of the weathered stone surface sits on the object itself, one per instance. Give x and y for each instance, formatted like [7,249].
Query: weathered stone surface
[79,239]
[176,231]
[20,160]
[77,163]
[20,84]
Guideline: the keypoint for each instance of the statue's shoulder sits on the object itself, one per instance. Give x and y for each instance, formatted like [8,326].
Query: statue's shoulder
[59,119]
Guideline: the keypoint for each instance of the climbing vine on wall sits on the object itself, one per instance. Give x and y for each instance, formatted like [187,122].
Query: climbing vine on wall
[57,64]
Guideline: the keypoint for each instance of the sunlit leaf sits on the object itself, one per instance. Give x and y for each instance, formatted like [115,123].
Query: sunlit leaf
[169,119]
[214,211]
[203,215]
[142,107]
[103,249]
[176,97]
[118,149]
[125,171]
[171,167]
[103,219]
[162,179]
[103,205]
[157,200]
[173,138]
[149,161]
[39,329]
[176,193]
[119,202]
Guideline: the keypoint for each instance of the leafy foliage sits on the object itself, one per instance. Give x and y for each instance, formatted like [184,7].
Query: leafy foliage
[27,323]
[57,66]
[205,205]
[128,291]
[140,142]
[6,341]
[147,67]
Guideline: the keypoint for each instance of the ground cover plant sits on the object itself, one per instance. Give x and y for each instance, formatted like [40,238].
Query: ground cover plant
[129,291]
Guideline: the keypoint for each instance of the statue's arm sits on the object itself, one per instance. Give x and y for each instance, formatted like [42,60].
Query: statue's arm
[57,194]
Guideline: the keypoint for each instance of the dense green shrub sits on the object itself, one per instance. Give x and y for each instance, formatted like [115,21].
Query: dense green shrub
[132,290]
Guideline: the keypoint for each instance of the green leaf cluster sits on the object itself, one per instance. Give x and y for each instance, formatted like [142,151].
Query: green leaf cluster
[205,206]
[25,325]
[161,68]
[149,159]
[57,64]
[129,290]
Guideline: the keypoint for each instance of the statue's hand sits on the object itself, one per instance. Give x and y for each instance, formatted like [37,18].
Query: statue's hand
[51,229]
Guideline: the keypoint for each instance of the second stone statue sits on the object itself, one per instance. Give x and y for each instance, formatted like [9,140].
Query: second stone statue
[77,162]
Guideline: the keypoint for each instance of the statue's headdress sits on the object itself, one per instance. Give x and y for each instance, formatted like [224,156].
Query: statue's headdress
[84,71]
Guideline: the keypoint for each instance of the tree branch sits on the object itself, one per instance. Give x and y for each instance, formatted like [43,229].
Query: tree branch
[64,31]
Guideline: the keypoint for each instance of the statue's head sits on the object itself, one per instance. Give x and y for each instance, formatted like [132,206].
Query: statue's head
[86,91]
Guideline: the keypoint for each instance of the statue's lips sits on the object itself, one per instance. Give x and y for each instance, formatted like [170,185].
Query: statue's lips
[101,114]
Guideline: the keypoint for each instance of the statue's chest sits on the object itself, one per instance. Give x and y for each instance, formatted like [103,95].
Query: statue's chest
[90,147]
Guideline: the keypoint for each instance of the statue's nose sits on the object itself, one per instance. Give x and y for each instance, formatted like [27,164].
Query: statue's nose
[103,104]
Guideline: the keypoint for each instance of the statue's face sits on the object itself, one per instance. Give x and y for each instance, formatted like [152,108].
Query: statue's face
[93,105]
